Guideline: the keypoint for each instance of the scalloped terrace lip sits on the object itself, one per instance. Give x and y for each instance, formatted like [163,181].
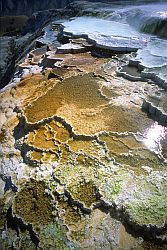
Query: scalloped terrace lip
[116,36]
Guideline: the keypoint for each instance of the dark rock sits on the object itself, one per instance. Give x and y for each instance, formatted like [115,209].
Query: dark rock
[14,7]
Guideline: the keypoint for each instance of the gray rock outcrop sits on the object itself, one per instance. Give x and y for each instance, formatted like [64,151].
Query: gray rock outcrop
[15,7]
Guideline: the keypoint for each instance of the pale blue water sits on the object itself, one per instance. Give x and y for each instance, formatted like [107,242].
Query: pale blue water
[109,34]
[122,30]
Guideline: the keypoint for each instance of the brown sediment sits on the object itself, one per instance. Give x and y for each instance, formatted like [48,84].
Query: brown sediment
[69,213]
[113,118]
[127,151]
[2,136]
[114,145]
[83,62]
[33,205]
[2,213]
[140,158]
[109,92]
[24,84]
[59,72]
[72,64]
[80,61]
[83,91]
[85,161]
[110,118]
[65,154]
[45,106]
[120,119]
[84,192]
[121,144]
[131,142]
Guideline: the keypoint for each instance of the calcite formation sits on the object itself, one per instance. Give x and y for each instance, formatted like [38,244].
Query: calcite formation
[116,36]
[87,168]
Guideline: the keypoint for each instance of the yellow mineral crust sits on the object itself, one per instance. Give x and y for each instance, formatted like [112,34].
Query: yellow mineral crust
[131,153]
[49,157]
[118,144]
[106,118]
[83,62]
[40,140]
[114,145]
[82,91]
[88,147]
[78,100]
[60,133]
[38,84]
[36,155]
[48,142]
[120,119]
[84,121]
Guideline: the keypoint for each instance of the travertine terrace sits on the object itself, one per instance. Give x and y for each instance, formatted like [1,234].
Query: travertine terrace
[82,161]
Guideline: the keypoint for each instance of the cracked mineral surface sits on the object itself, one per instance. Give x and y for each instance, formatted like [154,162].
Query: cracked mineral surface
[83,144]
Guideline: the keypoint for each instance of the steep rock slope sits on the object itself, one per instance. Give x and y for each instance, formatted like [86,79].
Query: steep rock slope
[15,7]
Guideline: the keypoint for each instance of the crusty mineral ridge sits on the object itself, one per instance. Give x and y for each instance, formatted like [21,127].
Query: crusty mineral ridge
[86,169]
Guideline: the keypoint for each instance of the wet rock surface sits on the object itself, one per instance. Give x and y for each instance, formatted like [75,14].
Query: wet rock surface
[112,37]
[82,160]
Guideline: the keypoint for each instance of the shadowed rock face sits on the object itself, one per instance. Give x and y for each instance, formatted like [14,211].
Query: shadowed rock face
[27,7]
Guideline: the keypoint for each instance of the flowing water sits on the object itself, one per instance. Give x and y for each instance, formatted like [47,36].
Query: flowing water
[141,28]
